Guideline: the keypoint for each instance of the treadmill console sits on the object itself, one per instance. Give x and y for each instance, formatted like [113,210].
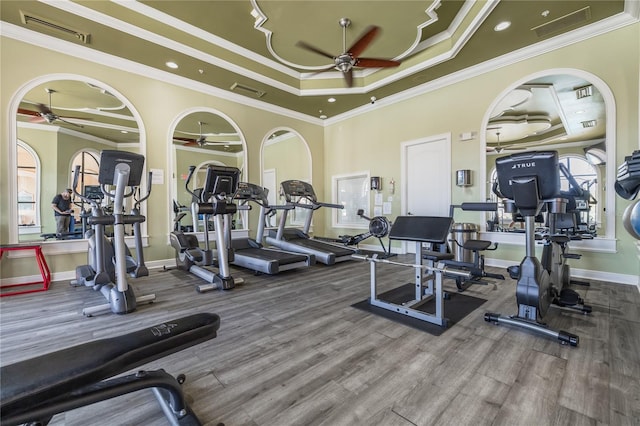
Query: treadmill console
[253,192]
[298,189]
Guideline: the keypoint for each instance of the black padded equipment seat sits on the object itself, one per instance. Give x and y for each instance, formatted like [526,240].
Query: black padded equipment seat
[476,245]
[31,382]
[436,256]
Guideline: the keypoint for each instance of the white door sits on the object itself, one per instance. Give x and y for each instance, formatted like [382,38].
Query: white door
[269,181]
[426,165]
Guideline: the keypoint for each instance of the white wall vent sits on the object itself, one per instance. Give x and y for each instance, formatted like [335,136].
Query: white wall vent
[563,22]
[33,20]
[240,87]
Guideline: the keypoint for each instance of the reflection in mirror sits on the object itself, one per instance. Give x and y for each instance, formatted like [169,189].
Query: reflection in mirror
[559,112]
[201,138]
[285,156]
[61,124]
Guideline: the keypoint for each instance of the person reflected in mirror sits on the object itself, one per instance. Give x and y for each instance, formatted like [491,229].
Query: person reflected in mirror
[61,205]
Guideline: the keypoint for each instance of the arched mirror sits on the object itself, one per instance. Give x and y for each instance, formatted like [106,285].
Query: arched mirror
[285,155]
[567,111]
[62,122]
[199,138]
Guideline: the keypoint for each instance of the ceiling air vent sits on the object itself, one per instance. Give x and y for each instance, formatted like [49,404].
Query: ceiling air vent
[584,91]
[54,27]
[242,88]
[589,123]
[564,22]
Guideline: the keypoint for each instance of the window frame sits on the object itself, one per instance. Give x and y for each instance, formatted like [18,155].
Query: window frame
[351,203]
[36,228]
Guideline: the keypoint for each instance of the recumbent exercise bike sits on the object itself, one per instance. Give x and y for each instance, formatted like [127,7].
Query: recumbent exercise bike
[529,181]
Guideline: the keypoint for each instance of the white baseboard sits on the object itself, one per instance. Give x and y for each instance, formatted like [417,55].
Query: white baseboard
[580,273]
[156,264]
[71,275]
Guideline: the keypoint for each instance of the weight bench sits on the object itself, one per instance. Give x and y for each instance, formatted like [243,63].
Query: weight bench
[428,275]
[36,389]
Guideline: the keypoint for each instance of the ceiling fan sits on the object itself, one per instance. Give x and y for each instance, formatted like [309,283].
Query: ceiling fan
[350,58]
[202,141]
[46,114]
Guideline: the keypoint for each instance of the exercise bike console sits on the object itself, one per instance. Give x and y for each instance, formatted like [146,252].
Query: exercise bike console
[529,181]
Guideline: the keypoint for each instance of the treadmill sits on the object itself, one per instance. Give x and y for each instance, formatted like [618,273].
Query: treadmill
[251,254]
[296,191]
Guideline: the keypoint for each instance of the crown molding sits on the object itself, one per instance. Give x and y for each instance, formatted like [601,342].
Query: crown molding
[106,60]
[604,26]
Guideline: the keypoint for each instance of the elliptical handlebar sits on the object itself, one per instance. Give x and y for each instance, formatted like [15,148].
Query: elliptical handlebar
[149,186]
[92,202]
[186,184]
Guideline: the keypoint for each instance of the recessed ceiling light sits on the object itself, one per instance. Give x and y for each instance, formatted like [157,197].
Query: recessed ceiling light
[172,65]
[331,100]
[502,26]
[323,117]
[123,131]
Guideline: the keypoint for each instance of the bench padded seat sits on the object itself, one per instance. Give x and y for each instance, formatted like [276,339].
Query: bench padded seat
[29,382]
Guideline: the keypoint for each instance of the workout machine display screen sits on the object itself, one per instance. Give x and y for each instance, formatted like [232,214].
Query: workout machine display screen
[93,192]
[110,160]
[250,191]
[541,165]
[427,229]
[221,180]
[298,188]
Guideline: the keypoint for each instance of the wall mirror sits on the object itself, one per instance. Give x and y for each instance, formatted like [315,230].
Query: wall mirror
[199,138]
[61,122]
[285,155]
[568,111]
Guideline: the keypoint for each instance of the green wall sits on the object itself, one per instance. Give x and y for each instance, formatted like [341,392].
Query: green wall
[372,141]
[369,141]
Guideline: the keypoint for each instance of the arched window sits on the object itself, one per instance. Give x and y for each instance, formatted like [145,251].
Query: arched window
[28,190]
[89,162]
[586,176]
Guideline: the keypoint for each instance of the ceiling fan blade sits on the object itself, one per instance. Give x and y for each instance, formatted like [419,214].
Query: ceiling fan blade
[213,143]
[38,119]
[181,139]
[68,122]
[348,77]
[44,109]
[28,112]
[375,63]
[307,46]
[367,37]
[321,71]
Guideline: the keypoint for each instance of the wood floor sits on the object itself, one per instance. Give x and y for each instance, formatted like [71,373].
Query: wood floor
[292,351]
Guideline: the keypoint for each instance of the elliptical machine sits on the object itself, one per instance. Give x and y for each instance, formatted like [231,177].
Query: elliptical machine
[107,259]
[214,199]
[528,181]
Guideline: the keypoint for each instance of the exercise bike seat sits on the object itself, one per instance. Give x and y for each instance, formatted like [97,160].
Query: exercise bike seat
[32,381]
[476,245]
[560,239]
[436,256]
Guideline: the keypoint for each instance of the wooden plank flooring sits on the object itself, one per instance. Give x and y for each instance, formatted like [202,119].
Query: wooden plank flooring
[292,351]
